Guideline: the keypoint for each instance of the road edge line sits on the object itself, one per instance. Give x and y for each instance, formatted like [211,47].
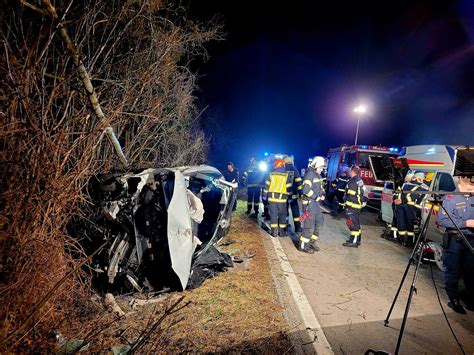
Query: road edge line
[311,322]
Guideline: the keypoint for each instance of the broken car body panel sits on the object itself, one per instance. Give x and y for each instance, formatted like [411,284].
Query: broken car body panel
[160,222]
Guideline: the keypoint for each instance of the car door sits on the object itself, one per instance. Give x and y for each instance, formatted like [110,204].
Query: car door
[386,204]
[441,182]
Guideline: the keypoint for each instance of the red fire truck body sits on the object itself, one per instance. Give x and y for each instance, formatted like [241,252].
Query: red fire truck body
[346,156]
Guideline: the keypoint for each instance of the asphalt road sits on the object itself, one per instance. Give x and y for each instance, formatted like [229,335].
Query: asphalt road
[351,290]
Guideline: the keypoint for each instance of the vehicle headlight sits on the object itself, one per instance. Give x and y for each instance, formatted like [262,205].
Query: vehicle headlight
[263,166]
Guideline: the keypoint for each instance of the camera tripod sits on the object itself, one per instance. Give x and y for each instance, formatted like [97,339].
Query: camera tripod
[421,239]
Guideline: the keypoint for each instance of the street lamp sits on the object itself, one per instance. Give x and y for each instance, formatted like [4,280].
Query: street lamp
[359,111]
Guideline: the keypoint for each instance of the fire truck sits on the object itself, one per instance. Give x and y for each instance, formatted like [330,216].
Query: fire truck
[346,156]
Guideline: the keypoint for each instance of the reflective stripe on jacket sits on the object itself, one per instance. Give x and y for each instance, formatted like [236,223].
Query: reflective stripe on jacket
[354,196]
[312,187]
[278,186]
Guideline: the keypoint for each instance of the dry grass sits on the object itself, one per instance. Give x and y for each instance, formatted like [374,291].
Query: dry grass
[237,310]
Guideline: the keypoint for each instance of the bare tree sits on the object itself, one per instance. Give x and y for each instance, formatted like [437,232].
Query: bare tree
[136,54]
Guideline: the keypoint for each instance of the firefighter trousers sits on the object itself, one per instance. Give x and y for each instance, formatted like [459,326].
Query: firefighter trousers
[295,211]
[253,198]
[312,225]
[278,213]
[405,217]
[353,223]
[340,199]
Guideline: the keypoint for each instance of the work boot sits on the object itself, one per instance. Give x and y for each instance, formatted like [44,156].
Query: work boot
[274,232]
[350,244]
[248,212]
[312,245]
[456,306]
[302,247]
[283,233]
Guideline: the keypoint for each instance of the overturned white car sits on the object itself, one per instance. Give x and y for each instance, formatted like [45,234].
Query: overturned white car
[161,225]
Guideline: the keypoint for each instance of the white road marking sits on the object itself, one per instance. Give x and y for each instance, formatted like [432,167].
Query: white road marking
[311,323]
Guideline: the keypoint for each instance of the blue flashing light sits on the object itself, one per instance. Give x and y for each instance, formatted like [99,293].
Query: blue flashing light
[394,149]
[266,154]
[263,166]
[363,146]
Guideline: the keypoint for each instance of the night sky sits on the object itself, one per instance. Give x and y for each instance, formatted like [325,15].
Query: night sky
[288,75]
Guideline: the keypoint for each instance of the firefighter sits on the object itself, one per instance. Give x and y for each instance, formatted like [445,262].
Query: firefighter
[457,258]
[252,178]
[398,209]
[415,204]
[312,192]
[341,183]
[277,189]
[354,200]
[295,190]
[409,212]
[403,214]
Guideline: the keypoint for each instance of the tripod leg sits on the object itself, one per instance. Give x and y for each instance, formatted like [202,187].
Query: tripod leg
[410,296]
[412,258]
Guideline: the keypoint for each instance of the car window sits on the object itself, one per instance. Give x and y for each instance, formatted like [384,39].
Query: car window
[444,182]
[363,161]
[349,159]
[388,185]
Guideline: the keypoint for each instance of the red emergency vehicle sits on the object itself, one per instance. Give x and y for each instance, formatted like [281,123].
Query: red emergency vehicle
[346,156]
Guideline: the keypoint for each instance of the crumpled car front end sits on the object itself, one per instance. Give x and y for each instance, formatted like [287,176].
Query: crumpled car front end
[161,226]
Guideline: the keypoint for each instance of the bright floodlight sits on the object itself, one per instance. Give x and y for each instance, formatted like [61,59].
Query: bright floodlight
[360,109]
[262,166]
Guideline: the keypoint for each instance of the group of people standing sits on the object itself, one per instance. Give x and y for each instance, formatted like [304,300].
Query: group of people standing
[407,208]
[285,190]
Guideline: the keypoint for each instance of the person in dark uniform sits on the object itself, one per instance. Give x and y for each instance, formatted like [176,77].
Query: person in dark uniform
[414,205]
[295,190]
[404,214]
[277,190]
[354,200]
[252,178]
[341,183]
[312,192]
[232,175]
[457,258]
[397,207]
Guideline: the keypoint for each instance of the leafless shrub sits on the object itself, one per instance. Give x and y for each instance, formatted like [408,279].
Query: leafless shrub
[137,54]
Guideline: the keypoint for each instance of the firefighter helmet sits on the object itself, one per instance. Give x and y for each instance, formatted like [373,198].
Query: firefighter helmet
[317,162]
[279,163]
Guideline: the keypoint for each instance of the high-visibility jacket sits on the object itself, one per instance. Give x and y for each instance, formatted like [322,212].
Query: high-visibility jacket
[354,194]
[312,188]
[278,186]
[413,198]
[297,181]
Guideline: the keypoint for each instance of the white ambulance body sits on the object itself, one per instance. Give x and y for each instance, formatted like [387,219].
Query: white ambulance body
[437,163]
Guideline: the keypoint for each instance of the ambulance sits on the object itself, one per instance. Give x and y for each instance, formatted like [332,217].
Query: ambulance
[346,156]
[437,163]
